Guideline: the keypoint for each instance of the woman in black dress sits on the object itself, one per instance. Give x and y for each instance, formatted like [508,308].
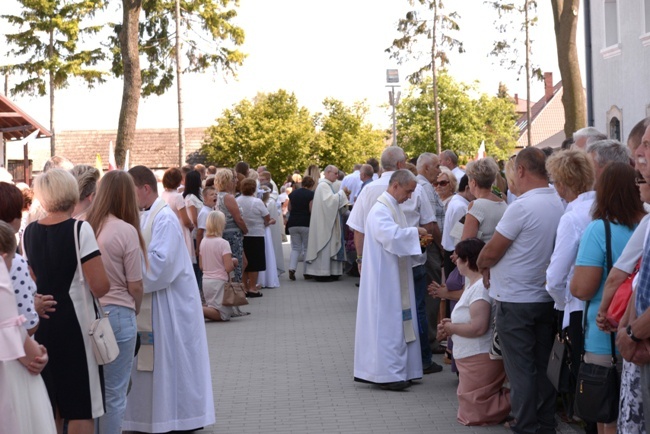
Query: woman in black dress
[72,376]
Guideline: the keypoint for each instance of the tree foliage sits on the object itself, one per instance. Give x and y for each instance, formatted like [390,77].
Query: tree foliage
[210,41]
[465,121]
[48,48]
[345,138]
[417,25]
[273,130]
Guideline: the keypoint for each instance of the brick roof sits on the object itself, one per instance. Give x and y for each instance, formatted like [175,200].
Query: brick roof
[547,118]
[154,148]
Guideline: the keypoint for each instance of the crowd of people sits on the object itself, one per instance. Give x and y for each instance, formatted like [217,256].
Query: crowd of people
[488,264]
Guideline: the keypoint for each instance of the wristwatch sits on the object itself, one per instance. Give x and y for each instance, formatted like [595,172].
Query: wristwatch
[359,260]
[631,335]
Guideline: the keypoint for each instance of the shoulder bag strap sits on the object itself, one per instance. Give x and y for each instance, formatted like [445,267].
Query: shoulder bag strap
[610,264]
[77,228]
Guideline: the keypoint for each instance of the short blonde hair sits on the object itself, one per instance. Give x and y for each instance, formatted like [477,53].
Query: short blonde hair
[510,170]
[483,172]
[573,169]
[87,177]
[57,190]
[222,179]
[215,223]
[450,175]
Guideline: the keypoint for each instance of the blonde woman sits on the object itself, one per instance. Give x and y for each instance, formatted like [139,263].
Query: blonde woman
[115,219]
[235,229]
[72,376]
[216,262]
[445,185]
[485,211]
[87,177]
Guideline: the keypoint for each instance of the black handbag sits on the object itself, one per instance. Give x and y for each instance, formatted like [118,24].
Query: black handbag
[558,368]
[598,387]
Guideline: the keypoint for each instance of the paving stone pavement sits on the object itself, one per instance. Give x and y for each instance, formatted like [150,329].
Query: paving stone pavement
[287,368]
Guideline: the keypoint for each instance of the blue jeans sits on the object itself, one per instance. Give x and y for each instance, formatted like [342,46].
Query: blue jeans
[420,286]
[118,372]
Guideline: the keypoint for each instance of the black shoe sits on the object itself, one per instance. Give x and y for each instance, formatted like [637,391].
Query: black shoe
[308,276]
[395,386]
[292,274]
[432,368]
[251,294]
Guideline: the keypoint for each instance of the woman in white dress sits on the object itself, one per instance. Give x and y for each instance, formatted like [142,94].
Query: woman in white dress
[24,405]
[171,181]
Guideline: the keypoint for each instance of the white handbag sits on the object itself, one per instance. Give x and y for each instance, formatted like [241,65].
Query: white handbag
[101,333]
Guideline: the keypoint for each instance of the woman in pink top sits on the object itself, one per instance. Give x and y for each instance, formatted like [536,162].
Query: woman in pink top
[216,261]
[115,218]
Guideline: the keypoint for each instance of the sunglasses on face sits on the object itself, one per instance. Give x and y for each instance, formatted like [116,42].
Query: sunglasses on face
[440,183]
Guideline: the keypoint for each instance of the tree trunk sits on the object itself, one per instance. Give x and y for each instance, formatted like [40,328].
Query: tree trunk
[179,85]
[130,52]
[529,123]
[52,87]
[435,77]
[565,16]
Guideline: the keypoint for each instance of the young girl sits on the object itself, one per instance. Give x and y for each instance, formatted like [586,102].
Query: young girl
[24,403]
[216,261]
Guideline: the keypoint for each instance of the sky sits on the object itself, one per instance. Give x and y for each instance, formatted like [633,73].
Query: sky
[315,49]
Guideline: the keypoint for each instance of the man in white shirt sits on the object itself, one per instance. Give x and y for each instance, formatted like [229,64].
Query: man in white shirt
[516,259]
[352,183]
[450,160]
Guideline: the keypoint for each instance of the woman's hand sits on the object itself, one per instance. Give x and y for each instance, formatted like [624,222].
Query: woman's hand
[446,326]
[44,304]
[235,262]
[442,335]
[39,362]
[602,323]
[436,289]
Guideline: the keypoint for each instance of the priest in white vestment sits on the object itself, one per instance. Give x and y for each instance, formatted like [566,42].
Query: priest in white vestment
[386,349]
[325,253]
[174,393]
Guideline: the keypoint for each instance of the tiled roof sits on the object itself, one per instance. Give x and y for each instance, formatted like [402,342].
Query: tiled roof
[547,119]
[154,148]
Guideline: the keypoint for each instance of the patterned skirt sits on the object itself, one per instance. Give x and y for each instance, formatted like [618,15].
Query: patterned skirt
[236,240]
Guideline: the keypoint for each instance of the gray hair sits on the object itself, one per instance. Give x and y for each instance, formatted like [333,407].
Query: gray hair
[591,133]
[391,156]
[425,158]
[451,155]
[332,168]
[403,177]
[483,172]
[609,151]
[366,169]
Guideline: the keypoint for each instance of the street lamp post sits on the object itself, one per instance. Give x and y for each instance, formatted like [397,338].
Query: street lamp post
[392,78]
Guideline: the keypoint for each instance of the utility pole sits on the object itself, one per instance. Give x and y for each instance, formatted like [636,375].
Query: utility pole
[529,129]
[435,77]
[392,78]
[179,75]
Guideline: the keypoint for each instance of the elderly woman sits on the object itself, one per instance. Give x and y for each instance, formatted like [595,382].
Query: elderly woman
[72,376]
[235,229]
[87,177]
[486,210]
[256,216]
[115,219]
[573,177]
[445,185]
[482,400]
[618,205]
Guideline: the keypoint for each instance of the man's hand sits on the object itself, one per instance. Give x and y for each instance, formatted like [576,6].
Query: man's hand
[626,346]
[486,277]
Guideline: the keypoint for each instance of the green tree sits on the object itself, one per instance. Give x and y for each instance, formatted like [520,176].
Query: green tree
[271,130]
[465,121]
[48,48]
[440,30]
[345,137]
[210,41]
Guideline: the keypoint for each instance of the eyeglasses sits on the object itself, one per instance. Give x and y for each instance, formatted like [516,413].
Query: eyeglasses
[440,183]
